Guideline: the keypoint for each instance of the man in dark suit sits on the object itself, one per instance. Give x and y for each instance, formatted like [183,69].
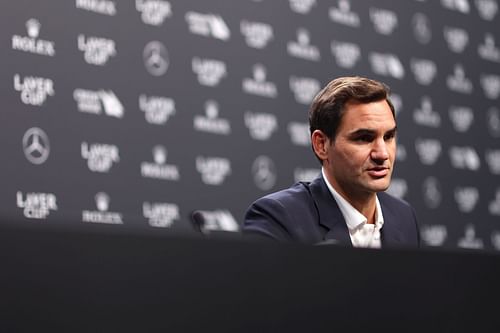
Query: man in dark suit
[353,135]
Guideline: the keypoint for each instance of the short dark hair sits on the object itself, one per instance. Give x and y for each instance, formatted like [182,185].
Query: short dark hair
[328,107]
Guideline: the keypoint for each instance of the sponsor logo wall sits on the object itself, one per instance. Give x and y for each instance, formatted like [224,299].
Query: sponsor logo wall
[137,113]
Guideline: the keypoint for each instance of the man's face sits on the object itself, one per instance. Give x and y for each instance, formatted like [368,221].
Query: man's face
[360,159]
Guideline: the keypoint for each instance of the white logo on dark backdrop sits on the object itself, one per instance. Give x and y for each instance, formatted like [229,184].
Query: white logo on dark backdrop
[153,12]
[264,173]
[213,170]
[34,90]
[458,81]
[456,38]
[424,70]
[104,7]
[160,214]
[493,121]
[434,235]
[159,169]
[257,34]
[398,188]
[491,85]
[487,9]
[461,117]
[384,21]
[494,205]
[464,158]
[428,150]
[157,110]
[156,59]
[209,71]
[493,160]
[346,54]
[260,125]
[488,50]
[397,102]
[100,157]
[466,198]
[387,64]
[305,174]
[461,6]
[219,220]
[211,122]
[431,190]
[96,50]
[36,205]
[495,240]
[258,84]
[425,115]
[304,89]
[208,25]
[36,145]
[422,28]
[102,215]
[343,14]
[95,102]
[302,47]
[470,241]
[302,6]
[401,152]
[31,43]
[299,133]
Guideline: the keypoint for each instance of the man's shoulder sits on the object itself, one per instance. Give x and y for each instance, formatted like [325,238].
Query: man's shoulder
[295,194]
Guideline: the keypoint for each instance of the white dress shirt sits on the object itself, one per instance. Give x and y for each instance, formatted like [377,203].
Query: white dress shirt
[362,234]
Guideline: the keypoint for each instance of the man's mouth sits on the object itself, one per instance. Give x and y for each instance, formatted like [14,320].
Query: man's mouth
[378,172]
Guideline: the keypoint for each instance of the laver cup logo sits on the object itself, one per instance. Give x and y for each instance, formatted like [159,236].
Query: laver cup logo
[34,90]
[157,109]
[257,34]
[153,12]
[100,156]
[96,50]
[36,205]
[160,214]
[213,170]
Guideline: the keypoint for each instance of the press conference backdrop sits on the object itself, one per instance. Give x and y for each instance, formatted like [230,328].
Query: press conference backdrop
[137,113]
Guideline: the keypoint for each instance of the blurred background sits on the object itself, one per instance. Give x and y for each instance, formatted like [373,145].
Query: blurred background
[138,113]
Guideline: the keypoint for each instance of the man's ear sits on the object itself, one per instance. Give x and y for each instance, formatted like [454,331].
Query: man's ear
[321,144]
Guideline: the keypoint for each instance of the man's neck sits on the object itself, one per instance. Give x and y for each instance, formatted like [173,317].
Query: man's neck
[364,202]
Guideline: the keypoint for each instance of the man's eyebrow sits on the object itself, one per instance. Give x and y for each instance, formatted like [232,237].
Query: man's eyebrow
[362,131]
[367,131]
[393,130]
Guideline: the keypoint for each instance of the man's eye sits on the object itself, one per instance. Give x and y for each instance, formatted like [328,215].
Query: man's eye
[389,136]
[364,138]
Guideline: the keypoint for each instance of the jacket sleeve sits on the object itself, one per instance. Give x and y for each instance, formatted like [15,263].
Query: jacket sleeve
[265,219]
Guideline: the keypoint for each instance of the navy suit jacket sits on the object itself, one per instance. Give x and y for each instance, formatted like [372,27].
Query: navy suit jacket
[307,213]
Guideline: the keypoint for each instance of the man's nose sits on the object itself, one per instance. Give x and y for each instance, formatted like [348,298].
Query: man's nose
[380,151]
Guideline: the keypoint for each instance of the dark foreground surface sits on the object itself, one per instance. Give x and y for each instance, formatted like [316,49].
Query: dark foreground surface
[102,282]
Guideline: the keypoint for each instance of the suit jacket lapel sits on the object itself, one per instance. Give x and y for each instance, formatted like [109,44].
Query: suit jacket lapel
[390,233]
[330,216]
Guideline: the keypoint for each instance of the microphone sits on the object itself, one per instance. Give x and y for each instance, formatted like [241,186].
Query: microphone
[198,220]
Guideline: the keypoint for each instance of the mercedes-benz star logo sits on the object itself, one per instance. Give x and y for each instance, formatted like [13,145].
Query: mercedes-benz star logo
[264,173]
[155,57]
[36,145]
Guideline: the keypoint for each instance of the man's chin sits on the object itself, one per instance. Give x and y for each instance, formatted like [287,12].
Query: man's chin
[380,185]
